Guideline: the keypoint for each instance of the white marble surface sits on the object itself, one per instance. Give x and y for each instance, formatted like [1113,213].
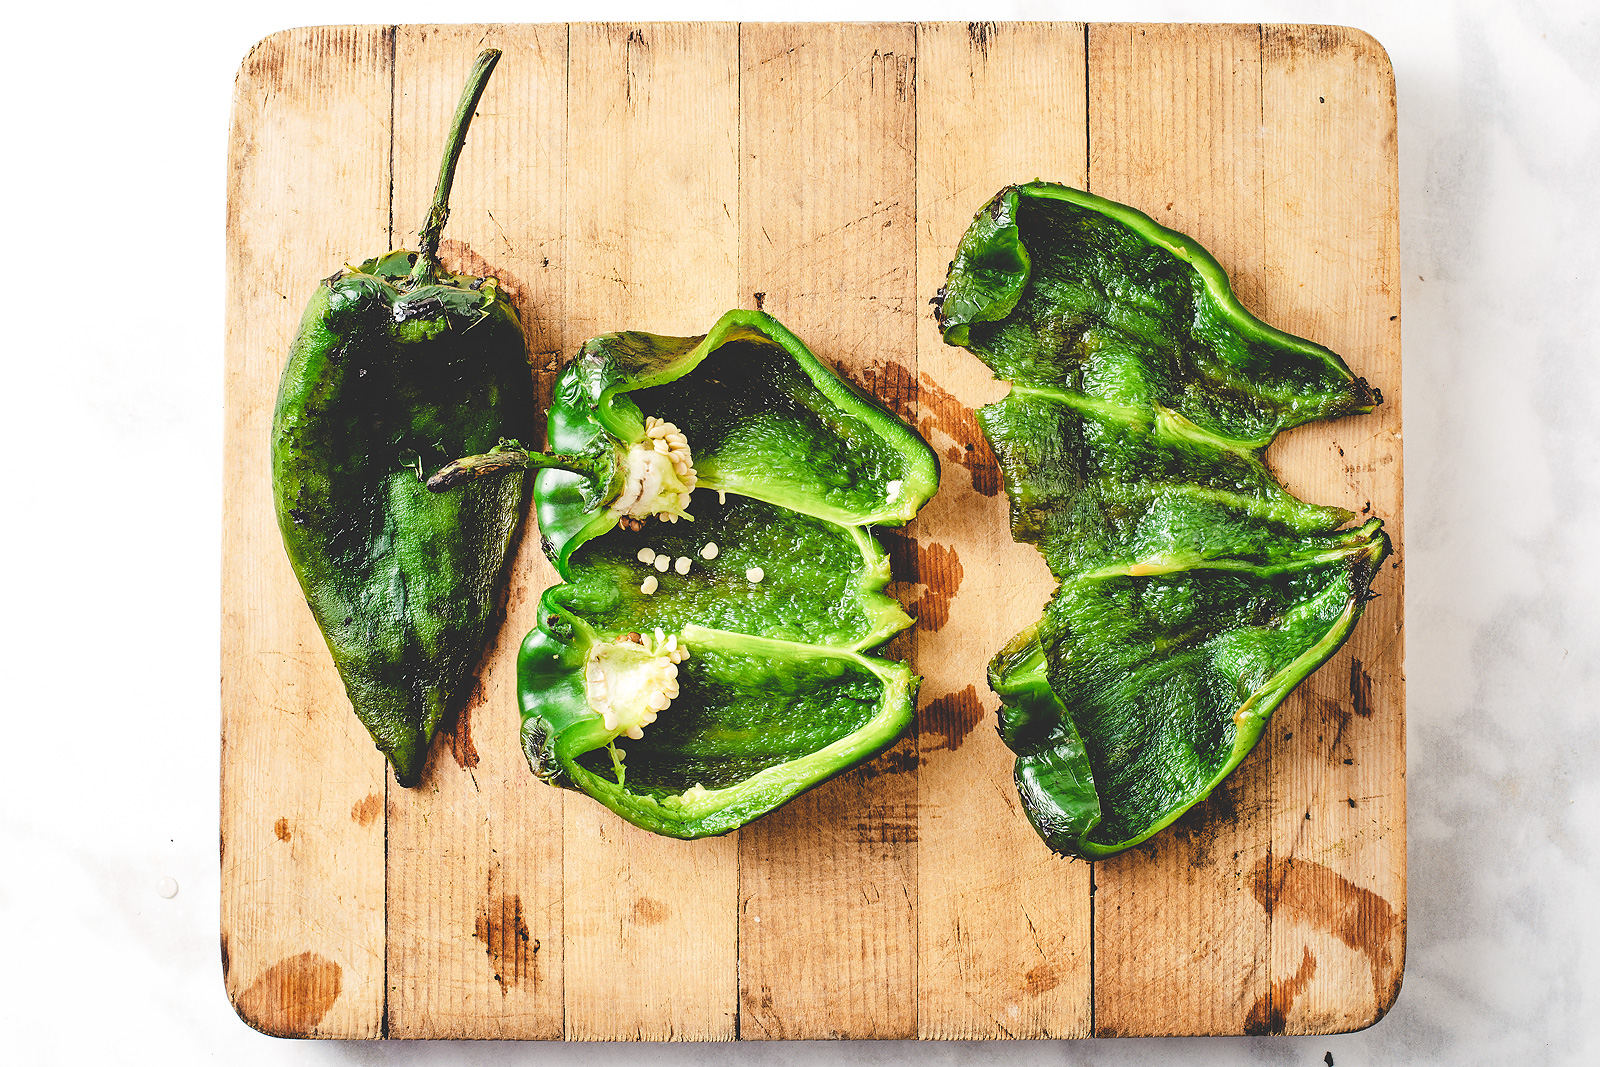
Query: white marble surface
[115,128]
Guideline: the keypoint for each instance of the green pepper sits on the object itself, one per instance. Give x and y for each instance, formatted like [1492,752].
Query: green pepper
[397,367]
[707,503]
[1195,592]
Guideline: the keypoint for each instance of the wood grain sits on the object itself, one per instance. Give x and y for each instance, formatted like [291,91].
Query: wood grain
[652,202]
[1336,881]
[301,837]
[1018,964]
[474,870]
[653,176]
[1174,127]
[828,883]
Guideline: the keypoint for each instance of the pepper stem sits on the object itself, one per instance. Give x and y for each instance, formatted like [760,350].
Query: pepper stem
[504,457]
[426,270]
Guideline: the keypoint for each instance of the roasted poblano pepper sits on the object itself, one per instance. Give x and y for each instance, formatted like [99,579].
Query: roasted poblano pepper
[398,367]
[1195,592]
[693,675]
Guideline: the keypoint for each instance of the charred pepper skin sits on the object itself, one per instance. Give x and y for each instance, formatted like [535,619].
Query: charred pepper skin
[1195,592]
[755,615]
[397,367]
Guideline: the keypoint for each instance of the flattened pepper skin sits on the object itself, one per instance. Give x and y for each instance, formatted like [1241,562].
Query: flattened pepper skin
[397,367]
[1195,592]
[780,690]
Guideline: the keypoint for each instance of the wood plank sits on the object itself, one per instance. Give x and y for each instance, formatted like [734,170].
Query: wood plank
[827,930]
[302,829]
[1003,929]
[1174,129]
[652,231]
[1336,880]
[474,867]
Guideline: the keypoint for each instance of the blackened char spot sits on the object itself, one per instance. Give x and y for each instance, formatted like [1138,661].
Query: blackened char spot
[1360,689]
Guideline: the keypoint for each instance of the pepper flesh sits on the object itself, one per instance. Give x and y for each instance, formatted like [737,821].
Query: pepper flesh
[778,689]
[397,366]
[1195,592]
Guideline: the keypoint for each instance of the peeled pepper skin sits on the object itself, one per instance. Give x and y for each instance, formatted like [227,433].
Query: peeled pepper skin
[1195,592]
[782,690]
[397,367]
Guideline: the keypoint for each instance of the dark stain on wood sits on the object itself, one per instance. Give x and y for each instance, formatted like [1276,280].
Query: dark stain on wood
[458,733]
[460,257]
[887,823]
[1320,897]
[952,717]
[939,571]
[290,998]
[1270,1013]
[941,411]
[979,34]
[503,930]
[647,911]
[901,759]
[1360,689]
[1041,979]
[1196,829]
[892,384]
[367,809]
[281,829]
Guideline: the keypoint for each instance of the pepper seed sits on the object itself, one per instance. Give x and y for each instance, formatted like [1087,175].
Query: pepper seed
[754,575]
[682,565]
[663,561]
[647,555]
[649,585]
[710,551]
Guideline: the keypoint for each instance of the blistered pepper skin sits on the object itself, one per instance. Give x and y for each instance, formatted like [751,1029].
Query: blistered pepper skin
[397,367]
[773,585]
[1195,592]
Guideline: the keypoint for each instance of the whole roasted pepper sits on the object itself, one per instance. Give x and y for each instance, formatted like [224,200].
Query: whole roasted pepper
[692,675]
[397,367]
[1195,592]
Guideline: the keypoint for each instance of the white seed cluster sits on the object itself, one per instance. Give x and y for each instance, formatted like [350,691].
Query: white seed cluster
[650,680]
[667,439]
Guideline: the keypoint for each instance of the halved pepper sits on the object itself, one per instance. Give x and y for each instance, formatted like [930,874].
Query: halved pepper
[1195,592]
[707,502]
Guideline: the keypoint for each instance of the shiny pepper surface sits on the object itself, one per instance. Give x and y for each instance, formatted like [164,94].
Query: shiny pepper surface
[399,366]
[710,653]
[1195,592]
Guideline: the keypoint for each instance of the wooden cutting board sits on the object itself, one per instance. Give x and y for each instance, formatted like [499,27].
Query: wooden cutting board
[651,177]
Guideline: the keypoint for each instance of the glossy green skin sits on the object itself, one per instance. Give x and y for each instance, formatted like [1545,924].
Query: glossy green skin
[1195,592]
[384,382]
[781,691]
